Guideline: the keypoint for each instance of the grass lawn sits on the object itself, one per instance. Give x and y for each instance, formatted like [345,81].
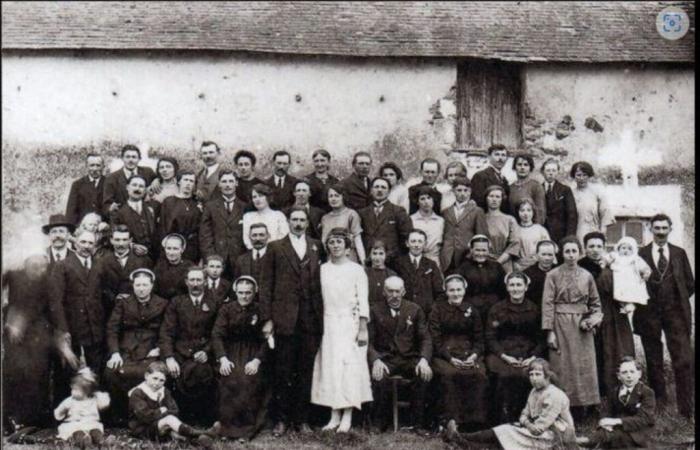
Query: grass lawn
[672,432]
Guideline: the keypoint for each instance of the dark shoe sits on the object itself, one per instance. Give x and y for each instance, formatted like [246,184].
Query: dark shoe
[279,429]
[205,441]
[451,432]
[97,438]
[304,428]
[214,430]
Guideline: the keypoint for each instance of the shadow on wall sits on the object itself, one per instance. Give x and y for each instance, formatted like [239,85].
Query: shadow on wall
[36,180]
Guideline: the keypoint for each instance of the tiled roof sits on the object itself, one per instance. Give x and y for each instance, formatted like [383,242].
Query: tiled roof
[518,31]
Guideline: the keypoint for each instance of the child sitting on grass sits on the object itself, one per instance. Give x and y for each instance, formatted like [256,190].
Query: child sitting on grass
[631,416]
[80,413]
[153,411]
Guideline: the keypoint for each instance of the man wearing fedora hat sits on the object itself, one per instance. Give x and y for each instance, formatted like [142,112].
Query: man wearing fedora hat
[58,230]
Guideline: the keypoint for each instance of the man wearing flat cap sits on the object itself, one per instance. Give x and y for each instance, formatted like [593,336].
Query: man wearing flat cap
[58,230]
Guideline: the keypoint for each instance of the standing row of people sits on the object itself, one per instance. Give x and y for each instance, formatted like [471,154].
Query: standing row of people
[502,298]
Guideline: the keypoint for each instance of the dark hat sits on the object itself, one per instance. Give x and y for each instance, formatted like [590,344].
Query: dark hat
[58,220]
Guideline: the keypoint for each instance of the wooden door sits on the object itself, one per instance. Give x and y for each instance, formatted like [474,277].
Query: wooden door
[489,104]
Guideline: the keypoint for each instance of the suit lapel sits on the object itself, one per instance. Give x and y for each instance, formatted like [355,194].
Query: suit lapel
[291,254]
[74,263]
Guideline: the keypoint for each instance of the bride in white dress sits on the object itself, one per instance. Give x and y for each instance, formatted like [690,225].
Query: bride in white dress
[341,374]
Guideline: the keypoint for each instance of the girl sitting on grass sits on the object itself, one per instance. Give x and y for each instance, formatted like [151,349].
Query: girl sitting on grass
[80,413]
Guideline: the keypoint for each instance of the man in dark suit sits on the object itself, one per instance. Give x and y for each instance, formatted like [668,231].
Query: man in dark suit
[490,175]
[670,287]
[399,344]
[631,413]
[302,194]
[115,194]
[138,215]
[383,220]
[281,182]
[77,316]
[185,346]
[215,286]
[256,260]
[422,276]
[208,178]
[246,179]
[429,169]
[562,217]
[111,282]
[58,229]
[463,221]
[356,186]
[221,228]
[86,192]
[293,308]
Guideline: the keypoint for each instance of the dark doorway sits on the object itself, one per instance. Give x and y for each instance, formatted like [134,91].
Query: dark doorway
[488,104]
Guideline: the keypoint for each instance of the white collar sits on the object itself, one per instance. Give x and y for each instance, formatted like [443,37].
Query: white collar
[133,203]
[413,258]
[129,173]
[282,178]
[419,216]
[156,396]
[213,282]
[92,180]
[624,389]
[298,238]
[656,247]
[63,252]
[213,168]
[261,252]
[227,200]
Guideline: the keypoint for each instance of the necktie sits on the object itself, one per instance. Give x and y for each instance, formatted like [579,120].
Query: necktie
[97,181]
[279,182]
[58,257]
[663,262]
[366,183]
[211,284]
[415,263]
[549,188]
[86,263]
[229,206]
[377,210]
[625,395]
[196,303]
[256,255]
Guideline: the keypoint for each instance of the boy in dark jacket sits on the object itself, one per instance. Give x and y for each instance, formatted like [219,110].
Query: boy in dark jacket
[153,411]
[631,412]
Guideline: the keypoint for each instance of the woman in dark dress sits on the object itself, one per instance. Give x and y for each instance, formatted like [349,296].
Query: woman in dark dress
[377,271]
[171,269]
[181,214]
[514,339]
[484,276]
[132,340]
[240,349]
[27,346]
[614,339]
[458,340]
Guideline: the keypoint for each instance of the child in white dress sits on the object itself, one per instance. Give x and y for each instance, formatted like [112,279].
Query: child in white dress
[630,273]
[80,413]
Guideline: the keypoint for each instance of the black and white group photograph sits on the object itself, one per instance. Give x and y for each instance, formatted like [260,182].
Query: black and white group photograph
[411,225]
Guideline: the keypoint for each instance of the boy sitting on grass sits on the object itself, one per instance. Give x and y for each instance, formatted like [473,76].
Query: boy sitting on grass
[631,412]
[153,411]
